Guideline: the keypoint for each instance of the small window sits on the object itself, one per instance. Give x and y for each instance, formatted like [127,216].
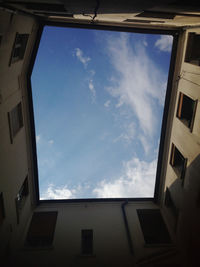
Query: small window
[2,209]
[19,47]
[41,229]
[87,242]
[21,197]
[193,52]
[15,118]
[153,226]
[178,162]
[186,110]
[169,203]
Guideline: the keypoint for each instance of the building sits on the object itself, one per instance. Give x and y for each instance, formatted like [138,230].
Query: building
[162,231]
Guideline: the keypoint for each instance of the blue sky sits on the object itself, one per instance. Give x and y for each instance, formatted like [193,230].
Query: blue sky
[98,101]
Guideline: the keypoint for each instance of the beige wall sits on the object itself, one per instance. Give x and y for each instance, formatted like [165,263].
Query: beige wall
[186,195]
[14,166]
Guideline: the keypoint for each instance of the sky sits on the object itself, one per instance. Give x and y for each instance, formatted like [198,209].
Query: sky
[98,100]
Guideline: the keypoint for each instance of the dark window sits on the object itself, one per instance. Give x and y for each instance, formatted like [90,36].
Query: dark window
[87,242]
[169,203]
[178,162]
[41,229]
[2,210]
[15,118]
[19,47]
[186,110]
[21,197]
[153,226]
[193,52]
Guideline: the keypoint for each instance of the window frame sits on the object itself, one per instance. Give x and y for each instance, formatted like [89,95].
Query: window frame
[20,44]
[11,114]
[169,203]
[147,229]
[22,195]
[40,240]
[87,250]
[180,173]
[180,108]
[189,57]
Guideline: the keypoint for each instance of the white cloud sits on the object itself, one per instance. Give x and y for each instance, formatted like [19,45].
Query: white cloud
[139,81]
[38,137]
[83,59]
[137,180]
[145,43]
[128,135]
[164,43]
[51,142]
[107,104]
[92,72]
[92,89]
[53,192]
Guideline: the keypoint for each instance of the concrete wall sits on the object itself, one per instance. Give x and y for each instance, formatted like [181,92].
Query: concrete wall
[14,165]
[186,194]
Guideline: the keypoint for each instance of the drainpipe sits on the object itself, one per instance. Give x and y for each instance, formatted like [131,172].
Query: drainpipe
[127,227]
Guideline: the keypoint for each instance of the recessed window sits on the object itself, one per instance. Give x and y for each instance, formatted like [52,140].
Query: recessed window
[41,229]
[153,226]
[178,162]
[2,209]
[15,118]
[21,197]
[169,203]
[87,242]
[186,110]
[193,52]
[19,47]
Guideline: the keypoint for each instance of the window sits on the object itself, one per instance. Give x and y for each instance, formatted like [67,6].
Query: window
[2,210]
[169,203]
[178,162]
[153,226]
[15,119]
[186,110]
[41,229]
[21,197]
[193,52]
[87,242]
[19,47]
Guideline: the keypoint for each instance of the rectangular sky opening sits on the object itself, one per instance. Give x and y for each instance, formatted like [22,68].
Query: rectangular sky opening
[98,99]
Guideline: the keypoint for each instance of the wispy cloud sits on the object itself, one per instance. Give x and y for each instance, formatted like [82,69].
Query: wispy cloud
[128,135]
[83,59]
[92,90]
[107,104]
[53,192]
[164,43]
[137,180]
[138,83]
[51,142]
